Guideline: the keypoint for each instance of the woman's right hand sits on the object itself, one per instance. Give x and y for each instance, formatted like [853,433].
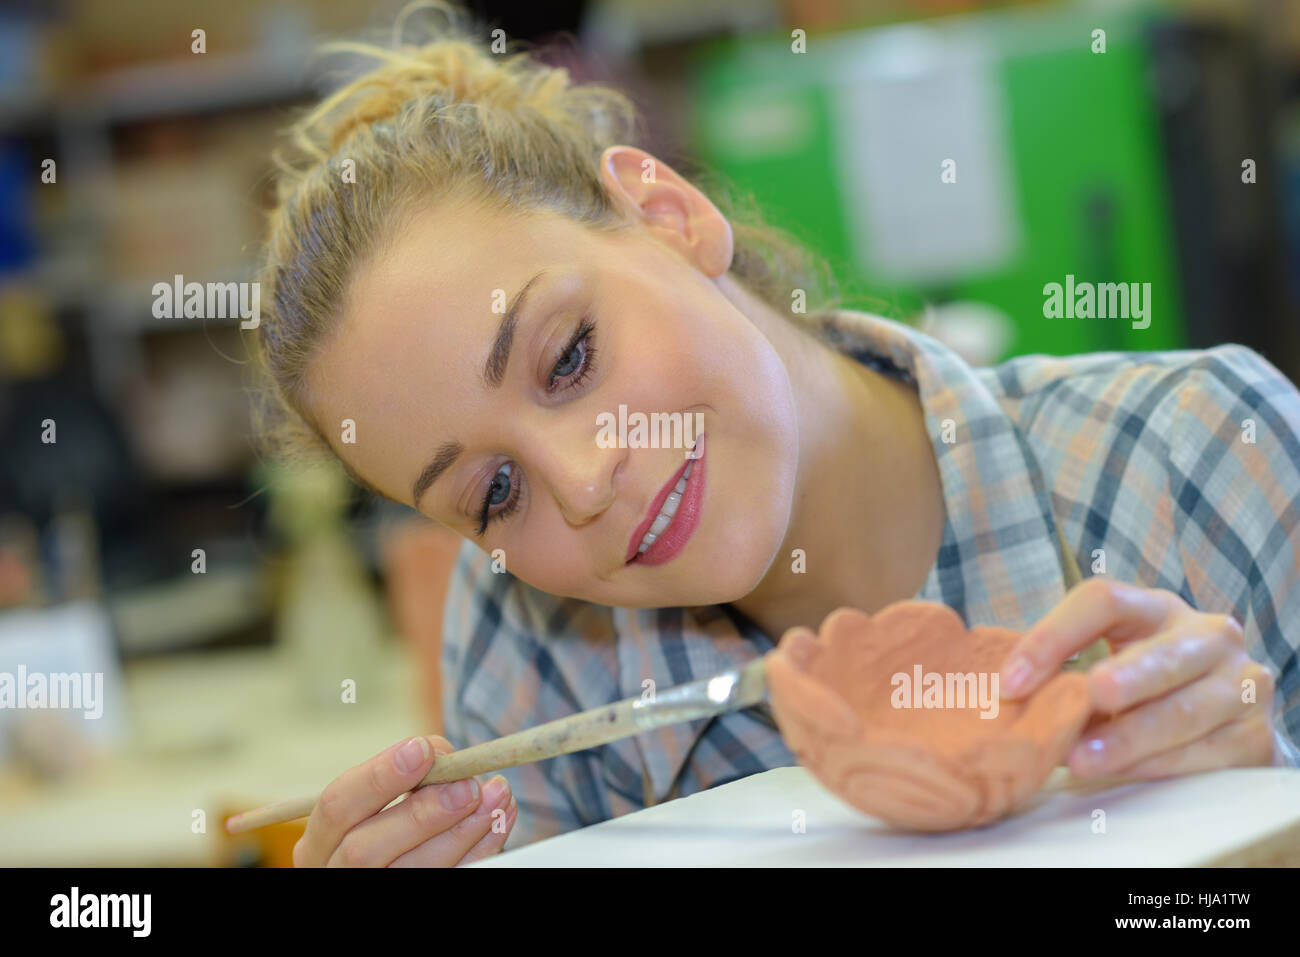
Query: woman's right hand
[439,825]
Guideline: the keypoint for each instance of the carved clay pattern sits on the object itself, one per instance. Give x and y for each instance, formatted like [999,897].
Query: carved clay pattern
[924,769]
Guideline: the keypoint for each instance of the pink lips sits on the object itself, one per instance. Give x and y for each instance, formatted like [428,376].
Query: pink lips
[673,538]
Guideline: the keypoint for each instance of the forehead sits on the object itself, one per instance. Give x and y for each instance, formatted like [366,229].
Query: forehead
[462,251]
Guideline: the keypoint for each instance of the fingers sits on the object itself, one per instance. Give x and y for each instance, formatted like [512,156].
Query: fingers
[1172,659]
[1100,607]
[1148,736]
[1246,742]
[1053,719]
[800,644]
[494,840]
[361,792]
[379,840]
[482,833]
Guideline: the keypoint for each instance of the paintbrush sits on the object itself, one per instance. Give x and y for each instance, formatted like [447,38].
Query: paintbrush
[703,698]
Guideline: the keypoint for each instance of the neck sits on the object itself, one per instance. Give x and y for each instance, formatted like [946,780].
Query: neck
[868,511]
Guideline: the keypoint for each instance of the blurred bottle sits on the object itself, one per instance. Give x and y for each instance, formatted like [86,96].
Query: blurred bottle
[329,621]
[22,583]
[74,548]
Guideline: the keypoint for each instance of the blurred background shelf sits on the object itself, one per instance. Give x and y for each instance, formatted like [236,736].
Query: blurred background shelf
[197,86]
[192,610]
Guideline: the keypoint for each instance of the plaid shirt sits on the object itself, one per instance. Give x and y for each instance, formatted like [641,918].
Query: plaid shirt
[1180,469]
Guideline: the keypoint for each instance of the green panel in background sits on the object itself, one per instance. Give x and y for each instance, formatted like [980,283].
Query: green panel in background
[772,139]
[1082,141]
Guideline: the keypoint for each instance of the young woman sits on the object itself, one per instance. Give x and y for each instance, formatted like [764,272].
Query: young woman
[470,263]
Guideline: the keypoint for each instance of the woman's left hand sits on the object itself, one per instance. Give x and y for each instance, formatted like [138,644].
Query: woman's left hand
[1171,697]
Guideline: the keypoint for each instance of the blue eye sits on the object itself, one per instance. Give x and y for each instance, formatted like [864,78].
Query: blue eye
[578,360]
[499,490]
[567,362]
[574,364]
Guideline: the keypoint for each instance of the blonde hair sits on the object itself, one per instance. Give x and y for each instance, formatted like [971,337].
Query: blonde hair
[449,118]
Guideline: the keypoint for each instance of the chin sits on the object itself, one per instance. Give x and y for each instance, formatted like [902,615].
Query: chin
[720,575]
[736,568]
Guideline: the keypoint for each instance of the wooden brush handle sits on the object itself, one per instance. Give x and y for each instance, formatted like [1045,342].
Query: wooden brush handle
[696,699]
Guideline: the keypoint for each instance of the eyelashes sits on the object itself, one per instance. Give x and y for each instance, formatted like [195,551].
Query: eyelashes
[585,339]
[511,503]
[576,362]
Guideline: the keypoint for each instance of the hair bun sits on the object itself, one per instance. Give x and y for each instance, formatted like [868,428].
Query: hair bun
[451,68]
[455,66]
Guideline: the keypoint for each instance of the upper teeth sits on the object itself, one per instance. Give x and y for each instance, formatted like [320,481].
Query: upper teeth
[668,510]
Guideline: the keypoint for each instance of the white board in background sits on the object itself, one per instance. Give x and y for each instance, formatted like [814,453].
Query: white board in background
[1180,822]
[74,638]
[905,100]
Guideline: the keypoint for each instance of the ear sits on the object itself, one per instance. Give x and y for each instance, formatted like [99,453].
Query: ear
[670,207]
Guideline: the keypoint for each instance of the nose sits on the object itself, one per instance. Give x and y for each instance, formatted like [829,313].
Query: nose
[578,472]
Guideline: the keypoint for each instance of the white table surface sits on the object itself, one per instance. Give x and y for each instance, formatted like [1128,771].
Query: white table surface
[1187,821]
[223,728]
[211,731]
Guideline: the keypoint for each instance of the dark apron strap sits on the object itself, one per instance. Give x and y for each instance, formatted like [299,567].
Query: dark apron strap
[1098,650]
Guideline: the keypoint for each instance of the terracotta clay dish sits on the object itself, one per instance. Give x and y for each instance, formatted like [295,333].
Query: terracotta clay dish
[857,727]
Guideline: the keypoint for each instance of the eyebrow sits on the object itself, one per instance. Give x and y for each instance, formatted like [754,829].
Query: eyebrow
[494,373]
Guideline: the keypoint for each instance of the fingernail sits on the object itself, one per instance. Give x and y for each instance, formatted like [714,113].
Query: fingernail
[495,791]
[1016,674]
[1093,754]
[411,755]
[456,796]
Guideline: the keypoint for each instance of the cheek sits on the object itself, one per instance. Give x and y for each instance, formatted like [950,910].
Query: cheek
[545,556]
[751,515]
[668,365]
[661,361]
[759,466]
